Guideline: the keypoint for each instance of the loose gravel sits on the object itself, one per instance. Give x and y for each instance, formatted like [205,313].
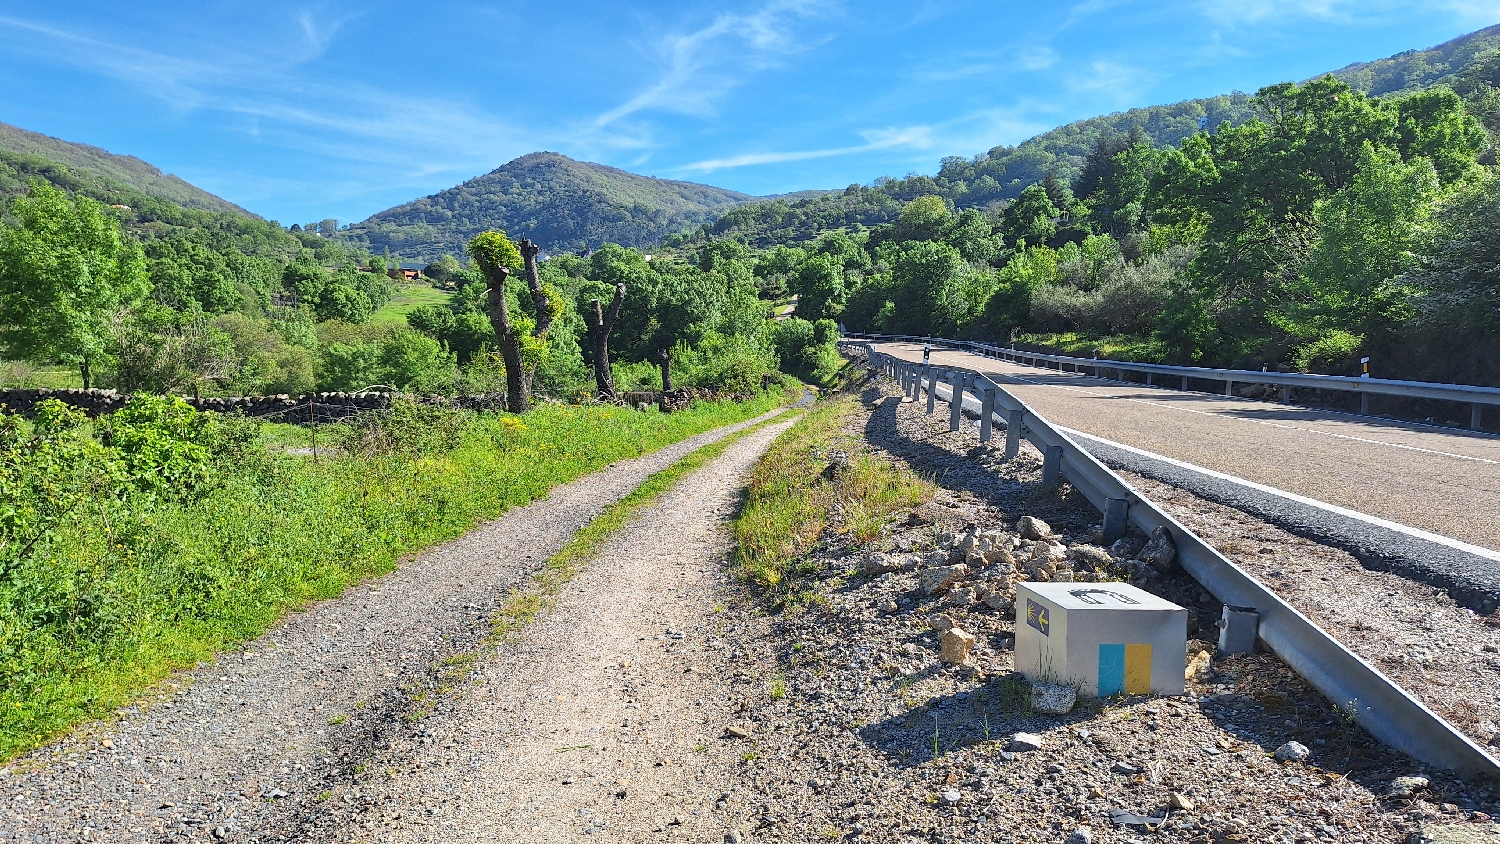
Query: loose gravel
[1469,578]
[1445,654]
[661,700]
[237,749]
[868,736]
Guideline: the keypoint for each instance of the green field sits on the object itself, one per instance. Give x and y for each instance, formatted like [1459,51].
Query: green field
[409,296]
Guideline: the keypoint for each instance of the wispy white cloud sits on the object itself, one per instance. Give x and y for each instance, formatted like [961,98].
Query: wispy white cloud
[349,120]
[698,67]
[910,137]
[1254,11]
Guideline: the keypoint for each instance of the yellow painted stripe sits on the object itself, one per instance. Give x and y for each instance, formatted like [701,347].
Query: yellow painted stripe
[1137,669]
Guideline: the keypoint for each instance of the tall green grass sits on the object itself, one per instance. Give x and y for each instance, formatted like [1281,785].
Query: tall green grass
[129,587]
[794,498]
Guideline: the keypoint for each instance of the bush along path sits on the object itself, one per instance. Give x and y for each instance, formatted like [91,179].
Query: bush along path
[247,748]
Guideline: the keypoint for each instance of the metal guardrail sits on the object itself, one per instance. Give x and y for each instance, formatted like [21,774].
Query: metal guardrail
[1383,708]
[1475,397]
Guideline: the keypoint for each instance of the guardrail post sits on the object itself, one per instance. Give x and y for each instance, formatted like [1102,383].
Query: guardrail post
[1364,404]
[932,379]
[1014,419]
[1184,383]
[1229,388]
[1476,416]
[1286,395]
[986,412]
[1052,465]
[1148,378]
[956,399]
[1116,518]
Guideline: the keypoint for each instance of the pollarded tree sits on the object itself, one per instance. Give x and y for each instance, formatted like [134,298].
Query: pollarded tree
[522,338]
[600,323]
[65,270]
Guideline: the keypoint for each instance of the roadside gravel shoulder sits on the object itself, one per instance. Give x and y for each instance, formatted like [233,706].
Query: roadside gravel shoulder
[226,751]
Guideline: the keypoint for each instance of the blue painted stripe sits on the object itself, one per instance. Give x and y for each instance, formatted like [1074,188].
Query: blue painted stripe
[1111,669]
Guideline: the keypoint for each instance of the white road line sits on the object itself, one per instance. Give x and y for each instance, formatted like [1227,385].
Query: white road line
[1283,427]
[1300,499]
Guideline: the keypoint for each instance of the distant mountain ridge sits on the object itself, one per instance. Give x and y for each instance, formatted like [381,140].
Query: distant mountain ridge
[560,203]
[85,160]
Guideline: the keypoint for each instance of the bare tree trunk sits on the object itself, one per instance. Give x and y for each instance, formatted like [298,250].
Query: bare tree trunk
[517,385]
[664,357]
[600,325]
[539,300]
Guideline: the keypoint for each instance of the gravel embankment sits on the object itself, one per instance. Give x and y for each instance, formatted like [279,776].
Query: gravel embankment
[1445,654]
[876,739]
[236,749]
[1471,579]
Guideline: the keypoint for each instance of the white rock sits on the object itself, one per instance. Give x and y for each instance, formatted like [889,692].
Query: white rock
[1051,699]
[1081,835]
[1031,527]
[940,622]
[1407,786]
[1292,751]
[878,563]
[940,578]
[951,797]
[1024,742]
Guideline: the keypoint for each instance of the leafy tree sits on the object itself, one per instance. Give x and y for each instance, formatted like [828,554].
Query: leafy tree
[523,338]
[685,307]
[820,288]
[1032,218]
[65,270]
[1456,333]
[924,218]
[1367,234]
[924,276]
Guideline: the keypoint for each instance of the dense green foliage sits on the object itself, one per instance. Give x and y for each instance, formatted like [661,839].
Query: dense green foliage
[551,199]
[1326,226]
[157,536]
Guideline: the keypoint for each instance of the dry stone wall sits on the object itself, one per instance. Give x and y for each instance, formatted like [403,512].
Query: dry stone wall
[324,407]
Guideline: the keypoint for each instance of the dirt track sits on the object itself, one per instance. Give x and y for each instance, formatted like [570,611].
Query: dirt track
[251,748]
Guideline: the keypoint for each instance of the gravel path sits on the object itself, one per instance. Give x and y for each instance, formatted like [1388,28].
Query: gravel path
[240,749]
[605,718]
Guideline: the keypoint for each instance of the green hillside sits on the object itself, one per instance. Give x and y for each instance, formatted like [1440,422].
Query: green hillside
[990,179]
[114,170]
[560,203]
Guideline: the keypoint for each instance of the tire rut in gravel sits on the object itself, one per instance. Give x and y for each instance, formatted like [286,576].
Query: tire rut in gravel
[232,750]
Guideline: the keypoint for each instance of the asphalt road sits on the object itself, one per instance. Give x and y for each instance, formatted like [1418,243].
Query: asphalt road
[1439,480]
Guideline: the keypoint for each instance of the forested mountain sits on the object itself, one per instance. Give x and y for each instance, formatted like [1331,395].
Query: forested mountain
[555,201]
[92,163]
[989,179]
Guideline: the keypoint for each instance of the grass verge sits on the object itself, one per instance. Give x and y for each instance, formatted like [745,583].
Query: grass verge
[818,477]
[129,587]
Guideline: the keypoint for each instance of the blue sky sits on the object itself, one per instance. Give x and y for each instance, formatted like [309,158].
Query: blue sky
[301,111]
